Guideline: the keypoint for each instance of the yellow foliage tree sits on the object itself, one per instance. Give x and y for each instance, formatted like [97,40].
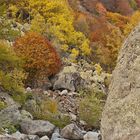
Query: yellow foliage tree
[58,19]
[38,24]
[117,19]
[134,20]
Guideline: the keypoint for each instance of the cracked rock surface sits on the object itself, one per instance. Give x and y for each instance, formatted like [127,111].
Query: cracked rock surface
[121,116]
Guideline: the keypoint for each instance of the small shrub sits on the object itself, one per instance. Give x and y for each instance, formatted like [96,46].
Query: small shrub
[41,59]
[134,21]
[98,68]
[38,24]
[48,110]
[11,73]
[11,128]
[133,4]
[1,130]
[7,31]
[59,120]
[90,110]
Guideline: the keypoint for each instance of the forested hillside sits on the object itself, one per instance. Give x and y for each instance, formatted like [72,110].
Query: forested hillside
[56,63]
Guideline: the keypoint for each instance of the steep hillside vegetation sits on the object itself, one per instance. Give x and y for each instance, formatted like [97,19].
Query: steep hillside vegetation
[105,23]
[56,60]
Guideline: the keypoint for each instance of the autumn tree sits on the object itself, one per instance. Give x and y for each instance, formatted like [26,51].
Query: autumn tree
[81,24]
[138,3]
[117,19]
[123,7]
[106,44]
[134,21]
[41,59]
[38,24]
[134,4]
[59,27]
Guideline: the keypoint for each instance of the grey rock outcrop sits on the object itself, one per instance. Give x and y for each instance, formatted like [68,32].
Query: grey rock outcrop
[20,136]
[121,116]
[83,75]
[70,81]
[72,132]
[56,135]
[37,127]
[11,114]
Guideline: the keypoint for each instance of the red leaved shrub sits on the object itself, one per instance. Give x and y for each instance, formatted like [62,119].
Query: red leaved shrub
[41,59]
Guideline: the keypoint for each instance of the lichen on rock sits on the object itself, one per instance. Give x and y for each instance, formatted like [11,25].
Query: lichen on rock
[121,116]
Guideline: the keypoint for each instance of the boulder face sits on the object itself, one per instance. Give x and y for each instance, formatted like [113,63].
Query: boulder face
[121,115]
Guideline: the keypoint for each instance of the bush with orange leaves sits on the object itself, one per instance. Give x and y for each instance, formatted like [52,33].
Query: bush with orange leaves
[41,59]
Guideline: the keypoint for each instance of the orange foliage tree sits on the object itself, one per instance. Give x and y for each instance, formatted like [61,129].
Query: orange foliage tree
[117,19]
[106,40]
[41,59]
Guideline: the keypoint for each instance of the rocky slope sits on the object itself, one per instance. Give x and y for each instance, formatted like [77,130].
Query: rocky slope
[29,121]
[120,120]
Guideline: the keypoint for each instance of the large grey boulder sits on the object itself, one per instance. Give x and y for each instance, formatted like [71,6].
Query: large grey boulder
[69,81]
[37,127]
[69,78]
[121,116]
[10,115]
[72,132]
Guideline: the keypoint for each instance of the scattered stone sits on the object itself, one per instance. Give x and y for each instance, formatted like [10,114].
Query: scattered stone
[45,92]
[73,117]
[72,93]
[26,27]
[64,92]
[72,131]
[28,90]
[7,138]
[70,69]
[20,136]
[33,137]
[37,127]
[91,136]
[44,138]
[83,123]
[56,135]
